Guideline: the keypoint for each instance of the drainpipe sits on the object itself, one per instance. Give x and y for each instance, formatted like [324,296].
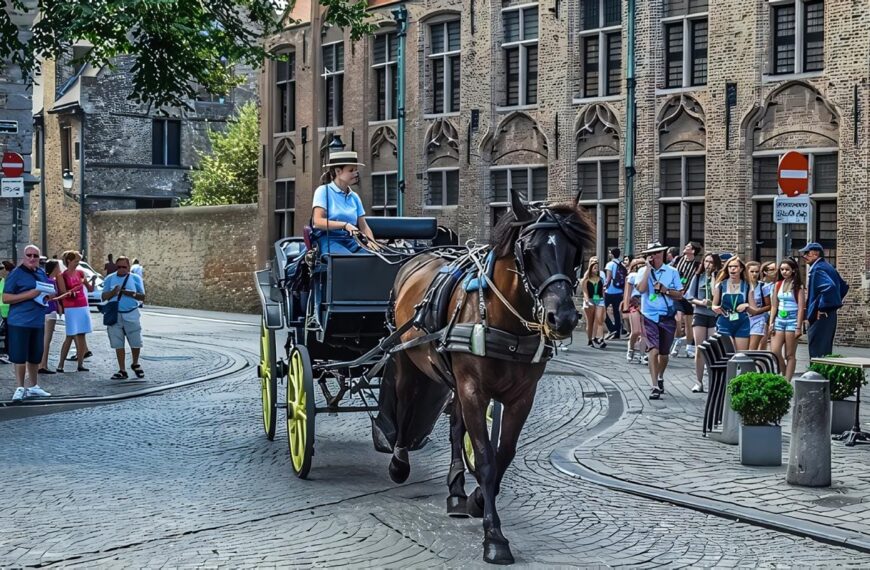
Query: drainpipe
[43,229]
[83,224]
[631,126]
[400,14]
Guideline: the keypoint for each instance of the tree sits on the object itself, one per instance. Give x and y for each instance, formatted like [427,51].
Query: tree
[228,175]
[176,44]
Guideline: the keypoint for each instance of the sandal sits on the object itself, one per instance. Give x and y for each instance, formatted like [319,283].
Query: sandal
[137,370]
[83,369]
[45,371]
[120,375]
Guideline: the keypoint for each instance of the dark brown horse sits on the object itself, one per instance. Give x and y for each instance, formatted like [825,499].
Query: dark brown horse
[536,253]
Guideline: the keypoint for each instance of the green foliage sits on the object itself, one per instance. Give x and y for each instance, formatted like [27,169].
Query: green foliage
[228,175]
[175,44]
[760,398]
[844,380]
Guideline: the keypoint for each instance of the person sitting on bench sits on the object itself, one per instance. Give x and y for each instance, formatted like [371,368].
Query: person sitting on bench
[338,212]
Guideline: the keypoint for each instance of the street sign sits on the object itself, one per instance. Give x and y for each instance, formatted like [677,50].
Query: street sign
[13,164]
[12,187]
[793,174]
[791,210]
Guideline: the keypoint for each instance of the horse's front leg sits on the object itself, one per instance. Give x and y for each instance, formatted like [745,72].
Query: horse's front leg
[456,500]
[496,549]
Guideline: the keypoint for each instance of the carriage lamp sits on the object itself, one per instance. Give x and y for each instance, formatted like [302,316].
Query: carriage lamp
[67,179]
[336,143]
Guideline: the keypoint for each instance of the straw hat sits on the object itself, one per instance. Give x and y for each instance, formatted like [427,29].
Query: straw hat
[342,158]
[654,247]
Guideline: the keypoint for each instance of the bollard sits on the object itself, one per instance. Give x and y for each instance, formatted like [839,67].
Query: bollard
[737,365]
[809,453]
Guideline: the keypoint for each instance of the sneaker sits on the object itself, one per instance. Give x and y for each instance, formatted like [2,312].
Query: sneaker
[36,392]
[19,395]
[629,356]
[675,348]
[644,359]
[656,394]
[690,351]
[698,388]
[661,384]
[611,336]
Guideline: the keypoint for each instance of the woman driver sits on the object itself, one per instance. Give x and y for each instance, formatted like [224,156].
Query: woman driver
[338,210]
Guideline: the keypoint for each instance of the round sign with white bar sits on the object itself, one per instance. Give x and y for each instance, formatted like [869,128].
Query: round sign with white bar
[791,210]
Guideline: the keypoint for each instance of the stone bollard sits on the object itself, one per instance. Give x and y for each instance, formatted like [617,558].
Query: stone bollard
[737,365]
[809,453]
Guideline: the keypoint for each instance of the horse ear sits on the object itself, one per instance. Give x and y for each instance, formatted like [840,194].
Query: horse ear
[521,212]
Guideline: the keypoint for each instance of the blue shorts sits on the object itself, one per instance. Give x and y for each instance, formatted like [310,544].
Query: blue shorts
[25,344]
[787,323]
[735,329]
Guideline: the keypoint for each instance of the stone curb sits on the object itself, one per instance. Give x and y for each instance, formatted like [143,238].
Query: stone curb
[564,460]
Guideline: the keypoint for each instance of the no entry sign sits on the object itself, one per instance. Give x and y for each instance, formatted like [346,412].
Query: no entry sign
[794,174]
[13,165]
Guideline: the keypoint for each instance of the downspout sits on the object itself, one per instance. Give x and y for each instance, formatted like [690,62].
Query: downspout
[400,14]
[83,225]
[43,229]
[631,126]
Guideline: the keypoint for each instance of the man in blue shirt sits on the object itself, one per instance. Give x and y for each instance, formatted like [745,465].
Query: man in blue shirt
[660,292]
[127,290]
[615,274]
[825,293]
[26,322]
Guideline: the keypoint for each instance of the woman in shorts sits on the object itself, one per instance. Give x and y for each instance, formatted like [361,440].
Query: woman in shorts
[700,294]
[631,310]
[786,315]
[592,286]
[760,289]
[732,302]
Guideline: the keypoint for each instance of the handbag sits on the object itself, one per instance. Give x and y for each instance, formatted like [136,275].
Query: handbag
[110,309]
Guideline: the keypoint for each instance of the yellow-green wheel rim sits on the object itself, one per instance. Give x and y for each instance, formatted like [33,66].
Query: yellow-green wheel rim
[300,411]
[267,381]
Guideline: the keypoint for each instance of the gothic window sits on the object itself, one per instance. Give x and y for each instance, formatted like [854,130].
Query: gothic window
[600,48]
[520,49]
[444,66]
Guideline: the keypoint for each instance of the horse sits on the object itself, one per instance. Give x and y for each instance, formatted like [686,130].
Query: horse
[536,252]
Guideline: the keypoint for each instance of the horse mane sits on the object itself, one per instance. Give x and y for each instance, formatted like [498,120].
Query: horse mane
[576,222]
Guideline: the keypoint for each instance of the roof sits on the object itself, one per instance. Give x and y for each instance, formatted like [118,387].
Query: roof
[71,93]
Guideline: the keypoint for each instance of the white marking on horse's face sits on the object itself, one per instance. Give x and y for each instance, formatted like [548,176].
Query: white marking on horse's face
[552,240]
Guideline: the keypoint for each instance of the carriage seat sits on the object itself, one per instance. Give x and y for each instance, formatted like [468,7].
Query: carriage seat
[403,228]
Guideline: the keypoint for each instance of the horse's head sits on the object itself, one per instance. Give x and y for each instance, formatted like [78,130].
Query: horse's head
[548,250]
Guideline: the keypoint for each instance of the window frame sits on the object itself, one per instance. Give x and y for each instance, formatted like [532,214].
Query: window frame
[599,202]
[800,39]
[391,70]
[336,113]
[687,61]
[603,33]
[386,207]
[165,146]
[446,55]
[685,200]
[442,170]
[289,85]
[285,211]
[522,45]
[493,205]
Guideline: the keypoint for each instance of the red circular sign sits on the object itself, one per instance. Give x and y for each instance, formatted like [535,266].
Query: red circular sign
[13,165]
[794,174]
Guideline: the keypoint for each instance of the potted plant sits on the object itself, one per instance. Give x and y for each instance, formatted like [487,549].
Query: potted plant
[844,381]
[761,400]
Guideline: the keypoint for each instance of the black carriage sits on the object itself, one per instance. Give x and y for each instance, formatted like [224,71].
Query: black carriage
[333,310]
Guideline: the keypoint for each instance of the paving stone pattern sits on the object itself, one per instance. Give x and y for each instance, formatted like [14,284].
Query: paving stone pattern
[187,479]
[660,444]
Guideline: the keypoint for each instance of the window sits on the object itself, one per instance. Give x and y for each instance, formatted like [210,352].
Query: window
[333,75]
[601,48]
[529,181]
[443,187]
[685,39]
[444,66]
[386,53]
[520,47]
[682,185]
[798,36]
[166,142]
[66,148]
[151,203]
[285,82]
[773,240]
[285,207]
[598,182]
[385,192]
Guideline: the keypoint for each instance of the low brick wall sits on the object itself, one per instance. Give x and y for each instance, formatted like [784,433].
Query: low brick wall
[195,257]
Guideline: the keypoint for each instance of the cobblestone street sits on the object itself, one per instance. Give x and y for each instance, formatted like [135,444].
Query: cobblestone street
[186,478]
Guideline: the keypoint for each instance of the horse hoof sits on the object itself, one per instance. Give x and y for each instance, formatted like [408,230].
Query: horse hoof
[474,504]
[457,507]
[497,552]
[399,470]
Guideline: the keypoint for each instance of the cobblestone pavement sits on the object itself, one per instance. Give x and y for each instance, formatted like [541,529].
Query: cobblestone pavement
[660,444]
[187,479]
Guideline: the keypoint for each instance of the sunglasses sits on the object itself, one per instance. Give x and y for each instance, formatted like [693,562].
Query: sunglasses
[32,255]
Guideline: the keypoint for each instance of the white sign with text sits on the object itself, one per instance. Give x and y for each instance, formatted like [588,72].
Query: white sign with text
[12,187]
[791,210]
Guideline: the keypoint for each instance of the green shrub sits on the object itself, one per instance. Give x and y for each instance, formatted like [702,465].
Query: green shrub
[844,380]
[760,398]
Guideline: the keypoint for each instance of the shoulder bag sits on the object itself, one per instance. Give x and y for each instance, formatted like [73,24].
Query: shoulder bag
[110,308]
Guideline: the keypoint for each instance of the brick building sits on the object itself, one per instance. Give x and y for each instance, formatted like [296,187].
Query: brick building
[533,96]
[121,154]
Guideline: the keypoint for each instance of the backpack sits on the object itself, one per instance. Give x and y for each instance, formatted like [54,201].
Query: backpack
[618,278]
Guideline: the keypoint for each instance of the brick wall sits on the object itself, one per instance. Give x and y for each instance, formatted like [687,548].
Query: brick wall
[200,258]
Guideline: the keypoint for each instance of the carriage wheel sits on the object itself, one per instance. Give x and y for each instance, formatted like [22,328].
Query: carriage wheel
[300,411]
[268,373]
[493,426]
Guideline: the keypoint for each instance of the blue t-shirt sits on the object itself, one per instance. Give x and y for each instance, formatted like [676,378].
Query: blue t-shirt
[30,313]
[339,206]
[653,305]
[127,304]
[612,266]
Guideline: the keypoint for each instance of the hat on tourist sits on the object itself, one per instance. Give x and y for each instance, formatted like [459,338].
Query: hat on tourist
[654,247]
[813,246]
[342,158]
[725,256]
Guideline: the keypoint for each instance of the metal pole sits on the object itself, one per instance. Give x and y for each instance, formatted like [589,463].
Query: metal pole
[400,14]
[14,203]
[316,59]
[83,225]
[630,120]
[43,229]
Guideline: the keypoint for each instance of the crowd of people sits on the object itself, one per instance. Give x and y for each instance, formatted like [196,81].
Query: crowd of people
[672,301]
[40,292]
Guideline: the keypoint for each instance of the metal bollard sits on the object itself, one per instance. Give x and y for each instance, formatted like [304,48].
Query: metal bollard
[809,453]
[737,365]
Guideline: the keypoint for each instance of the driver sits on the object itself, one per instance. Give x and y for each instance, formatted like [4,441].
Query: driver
[338,211]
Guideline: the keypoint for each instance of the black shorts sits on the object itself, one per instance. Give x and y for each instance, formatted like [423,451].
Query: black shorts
[685,307]
[705,321]
[25,344]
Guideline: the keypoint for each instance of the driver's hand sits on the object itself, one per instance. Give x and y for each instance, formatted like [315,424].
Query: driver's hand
[351,228]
